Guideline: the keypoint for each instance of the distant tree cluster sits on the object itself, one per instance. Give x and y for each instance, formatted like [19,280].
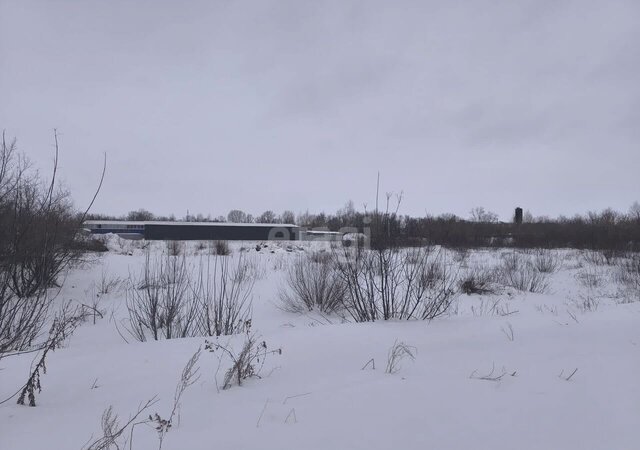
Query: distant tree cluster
[607,229]
[234,216]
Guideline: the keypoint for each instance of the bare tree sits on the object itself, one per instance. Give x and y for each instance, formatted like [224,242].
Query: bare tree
[266,217]
[479,214]
[140,215]
[237,216]
[634,211]
[288,217]
[8,173]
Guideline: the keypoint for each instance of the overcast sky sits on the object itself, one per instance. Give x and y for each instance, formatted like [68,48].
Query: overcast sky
[213,105]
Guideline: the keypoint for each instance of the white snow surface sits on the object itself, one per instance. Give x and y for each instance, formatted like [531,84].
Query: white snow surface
[316,395]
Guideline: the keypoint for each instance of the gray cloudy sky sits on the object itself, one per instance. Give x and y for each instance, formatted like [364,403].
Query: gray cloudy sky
[257,105]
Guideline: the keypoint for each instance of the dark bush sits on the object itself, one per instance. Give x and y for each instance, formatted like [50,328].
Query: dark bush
[222,248]
[478,281]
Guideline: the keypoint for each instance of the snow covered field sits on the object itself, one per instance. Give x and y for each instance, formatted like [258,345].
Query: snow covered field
[505,370]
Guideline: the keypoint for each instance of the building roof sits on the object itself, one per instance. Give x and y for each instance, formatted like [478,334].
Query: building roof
[211,224]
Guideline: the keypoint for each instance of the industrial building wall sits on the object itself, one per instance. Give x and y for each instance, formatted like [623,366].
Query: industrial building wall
[219,232]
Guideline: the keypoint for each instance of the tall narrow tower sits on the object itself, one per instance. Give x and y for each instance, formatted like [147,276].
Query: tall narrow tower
[518,216]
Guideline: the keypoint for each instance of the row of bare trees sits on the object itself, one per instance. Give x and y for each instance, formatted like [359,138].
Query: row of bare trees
[234,216]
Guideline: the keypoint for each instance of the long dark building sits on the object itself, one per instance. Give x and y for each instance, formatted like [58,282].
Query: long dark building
[198,231]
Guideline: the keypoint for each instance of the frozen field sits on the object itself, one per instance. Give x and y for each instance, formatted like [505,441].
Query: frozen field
[503,370]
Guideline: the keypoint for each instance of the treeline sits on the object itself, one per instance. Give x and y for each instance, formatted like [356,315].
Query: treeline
[607,229]
[345,217]
[595,231]
[234,216]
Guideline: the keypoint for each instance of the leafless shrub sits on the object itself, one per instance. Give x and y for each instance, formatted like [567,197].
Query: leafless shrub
[38,241]
[611,256]
[574,260]
[159,303]
[91,244]
[587,302]
[38,230]
[546,261]
[517,273]
[221,248]
[256,268]
[279,263]
[21,318]
[461,255]
[628,275]
[512,260]
[388,283]
[223,295]
[478,281]
[492,307]
[312,284]
[593,257]
[398,352]
[321,257]
[245,364]
[175,248]
[107,283]
[590,276]
[601,257]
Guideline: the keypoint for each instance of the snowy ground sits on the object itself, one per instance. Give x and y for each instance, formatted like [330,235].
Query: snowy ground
[316,395]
